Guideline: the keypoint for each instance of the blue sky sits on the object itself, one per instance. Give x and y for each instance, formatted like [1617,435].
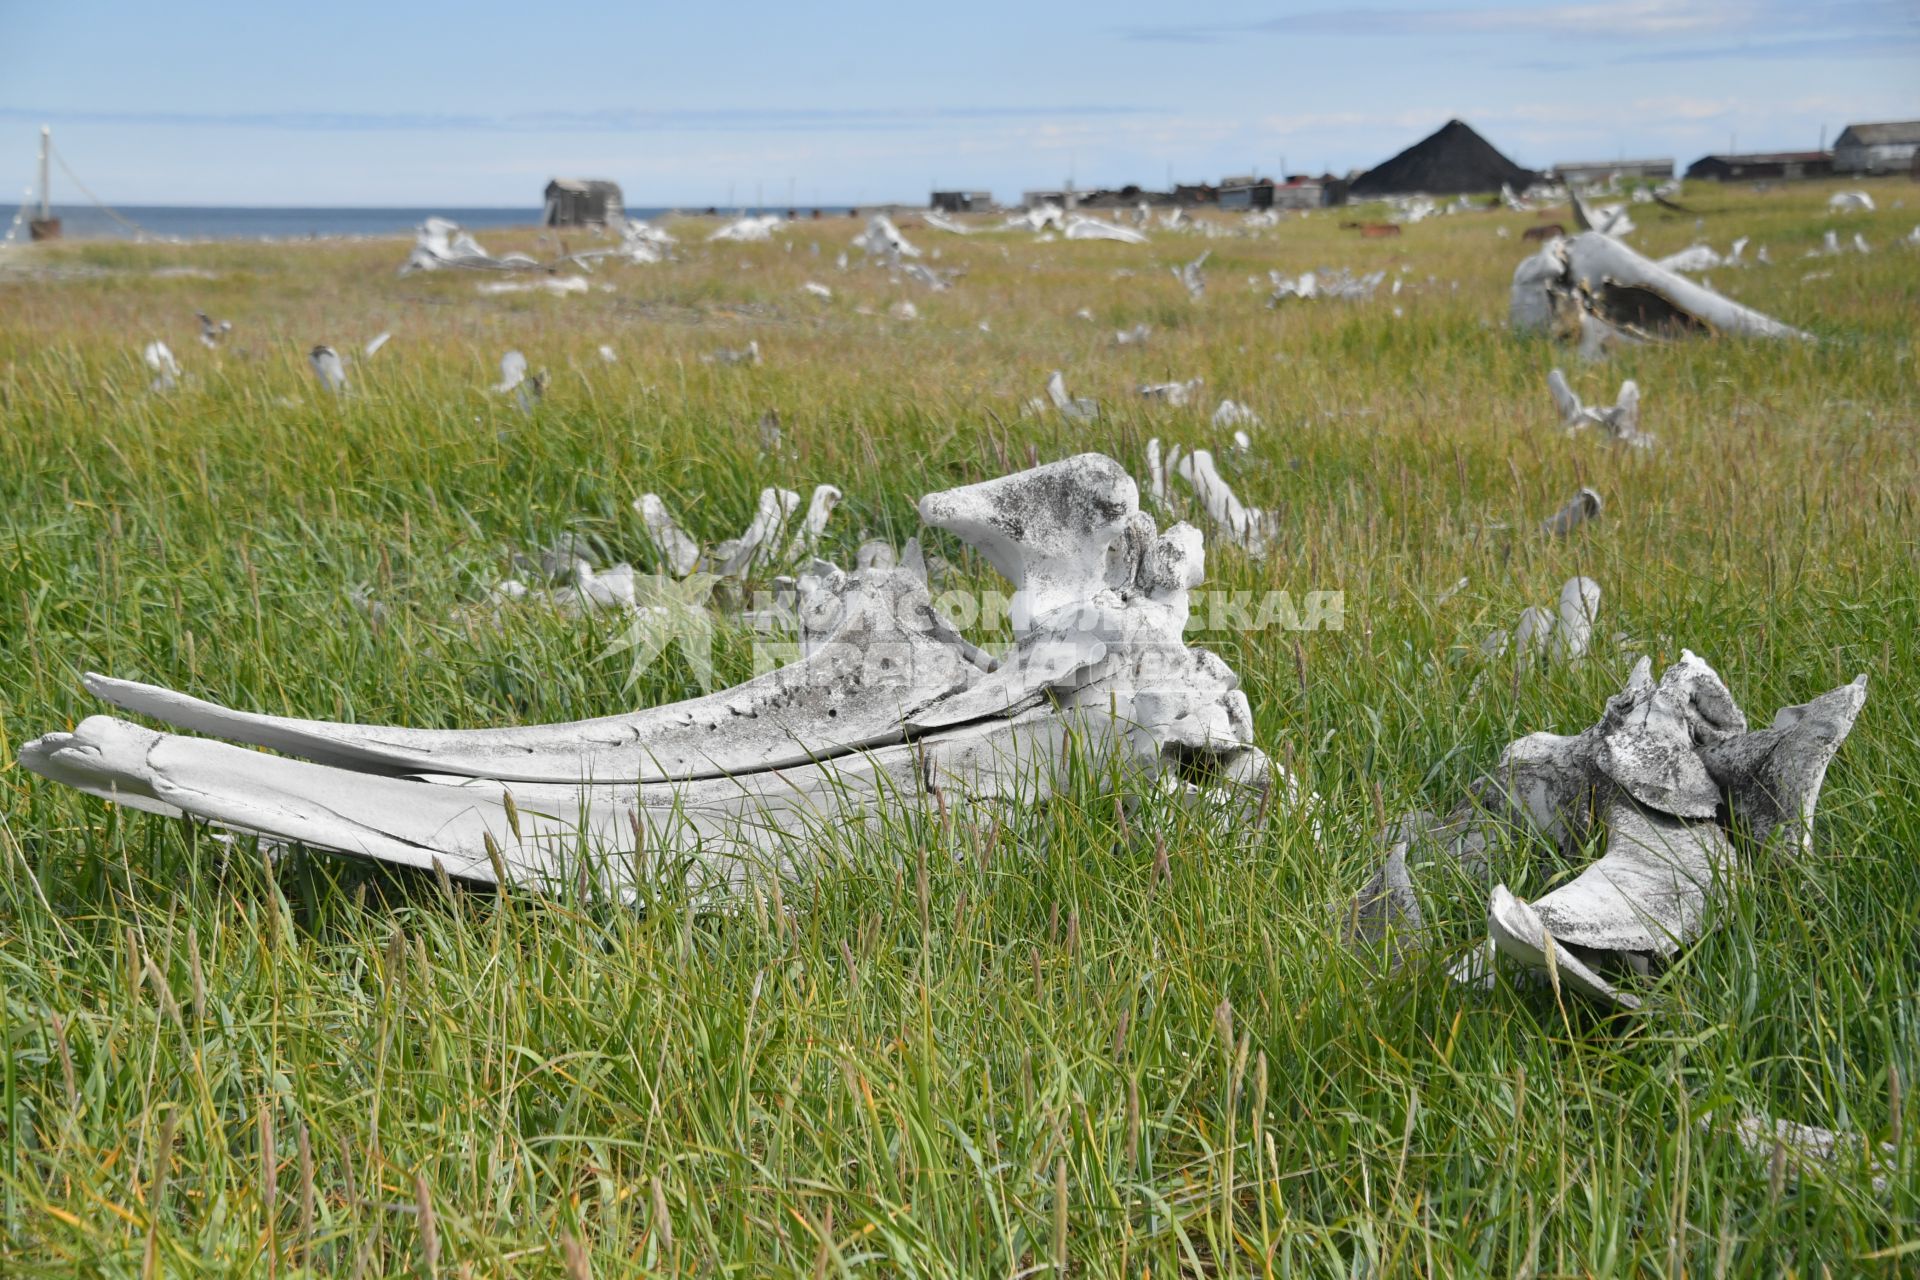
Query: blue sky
[407,103]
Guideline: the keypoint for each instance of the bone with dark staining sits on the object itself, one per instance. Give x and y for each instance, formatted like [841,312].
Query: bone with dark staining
[1584,505]
[1594,275]
[328,368]
[1673,774]
[891,706]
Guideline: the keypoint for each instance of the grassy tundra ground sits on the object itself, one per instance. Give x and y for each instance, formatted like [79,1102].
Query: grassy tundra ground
[942,1060]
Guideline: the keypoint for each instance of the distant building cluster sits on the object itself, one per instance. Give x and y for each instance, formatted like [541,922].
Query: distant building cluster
[1861,150]
[1454,160]
[1296,191]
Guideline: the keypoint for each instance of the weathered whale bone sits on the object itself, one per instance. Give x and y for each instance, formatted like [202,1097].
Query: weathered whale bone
[1565,634]
[1672,770]
[1249,528]
[891,706]
[1593,277]
[1621,420]
[1586,504]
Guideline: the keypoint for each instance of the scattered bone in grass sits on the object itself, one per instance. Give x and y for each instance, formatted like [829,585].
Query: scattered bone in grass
[755,230]
[1797,1149]
[941,222]
[1305,285]
[160,362]
[1583,506]
[1138,335]
[527,389]
[1563,635]
[1073,410]
[1702,257]
[882,239]
[737,557]
[513,371]
[1610,220]
[1677,771]
[1339,283]
[212,331]
[1176,394]
[767,774]
[558,286]
[1193,276]
[1620,421]
[1233,414]
[440,244]
[1083,228]
[818,290]
[327,367]
[813,526]
[1246,527]
[679,552]
[749,354]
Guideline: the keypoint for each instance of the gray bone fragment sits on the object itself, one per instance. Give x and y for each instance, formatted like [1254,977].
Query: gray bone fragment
[1672,771]
[1583,506]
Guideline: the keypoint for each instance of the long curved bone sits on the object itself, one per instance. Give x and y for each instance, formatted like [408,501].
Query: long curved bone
[1246,527]
[1594,274]
[889,656]
[889,707]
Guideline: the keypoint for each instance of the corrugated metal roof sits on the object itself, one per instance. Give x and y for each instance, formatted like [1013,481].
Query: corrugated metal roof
[1885,133]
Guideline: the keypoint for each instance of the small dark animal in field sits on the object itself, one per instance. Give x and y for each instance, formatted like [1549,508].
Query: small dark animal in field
[1372,230]
[1548,232]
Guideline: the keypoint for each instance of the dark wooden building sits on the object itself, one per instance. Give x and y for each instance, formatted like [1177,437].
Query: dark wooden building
[583,202]
[961,201]
[1762,164]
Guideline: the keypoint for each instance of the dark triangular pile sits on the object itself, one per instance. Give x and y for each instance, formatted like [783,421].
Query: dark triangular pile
[1453,161]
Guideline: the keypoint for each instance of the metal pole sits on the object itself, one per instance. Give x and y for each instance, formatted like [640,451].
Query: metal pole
[46,144]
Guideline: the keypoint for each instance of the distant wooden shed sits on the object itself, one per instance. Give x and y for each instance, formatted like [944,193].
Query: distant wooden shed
[1761,165]
[961,201]
[583,202]
[1877,148]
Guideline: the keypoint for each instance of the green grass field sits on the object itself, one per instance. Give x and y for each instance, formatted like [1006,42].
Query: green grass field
[946,1058]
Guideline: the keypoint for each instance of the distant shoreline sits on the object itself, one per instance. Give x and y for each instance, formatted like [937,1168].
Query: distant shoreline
[277,223]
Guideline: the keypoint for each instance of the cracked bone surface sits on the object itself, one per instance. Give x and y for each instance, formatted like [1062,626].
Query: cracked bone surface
[891,706]
[1595,277]
[1672,771]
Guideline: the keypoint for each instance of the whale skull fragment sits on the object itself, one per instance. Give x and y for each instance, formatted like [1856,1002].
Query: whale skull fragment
[1591,279]
[891,705]
[1669,772]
